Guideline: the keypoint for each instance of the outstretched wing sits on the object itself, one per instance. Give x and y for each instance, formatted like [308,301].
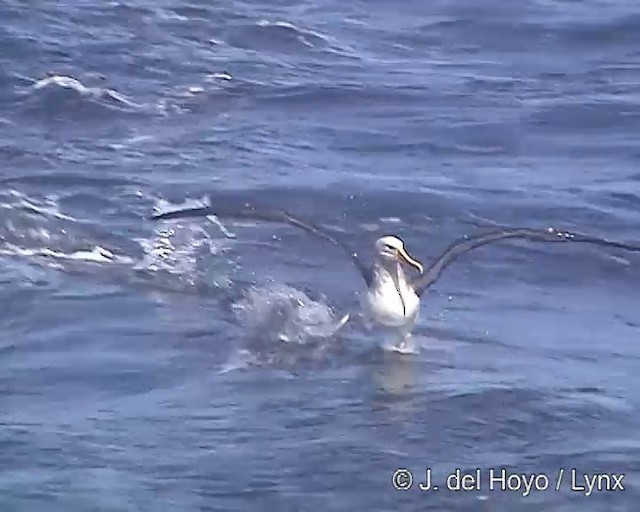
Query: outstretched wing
[251,212]
[464,245]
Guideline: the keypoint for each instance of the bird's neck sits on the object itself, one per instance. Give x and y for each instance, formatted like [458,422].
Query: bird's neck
[391,271]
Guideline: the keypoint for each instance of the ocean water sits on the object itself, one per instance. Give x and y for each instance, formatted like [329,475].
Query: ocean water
[193,365]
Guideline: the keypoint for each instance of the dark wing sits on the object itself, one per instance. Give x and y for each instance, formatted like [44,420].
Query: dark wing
[250,212]
[464,245]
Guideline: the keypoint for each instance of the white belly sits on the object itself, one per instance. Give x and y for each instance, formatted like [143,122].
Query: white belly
[386,307]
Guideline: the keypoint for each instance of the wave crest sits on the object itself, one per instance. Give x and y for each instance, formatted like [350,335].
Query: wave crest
[65,95]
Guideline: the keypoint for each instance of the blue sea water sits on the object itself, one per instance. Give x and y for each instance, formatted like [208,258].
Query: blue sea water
[191,366]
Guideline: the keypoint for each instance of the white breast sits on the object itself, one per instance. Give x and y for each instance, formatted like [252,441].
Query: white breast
[386,306]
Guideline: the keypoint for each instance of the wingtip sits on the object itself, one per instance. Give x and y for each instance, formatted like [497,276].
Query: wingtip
[175,214]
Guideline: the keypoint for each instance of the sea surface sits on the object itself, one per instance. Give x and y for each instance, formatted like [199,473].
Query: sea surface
[194,365]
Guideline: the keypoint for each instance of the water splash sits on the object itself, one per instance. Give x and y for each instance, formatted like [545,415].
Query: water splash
[283,327]
[287,314]
[182,248]
[239,360]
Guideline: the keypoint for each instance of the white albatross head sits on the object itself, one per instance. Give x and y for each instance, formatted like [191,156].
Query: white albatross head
[391,248]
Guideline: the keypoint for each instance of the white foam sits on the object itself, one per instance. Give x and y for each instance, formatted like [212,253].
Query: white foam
[68,82]
[215,220]
[96,255]
[300,32]
[166,14]
[220,76]
[47,207]
[291,26]
[408,348]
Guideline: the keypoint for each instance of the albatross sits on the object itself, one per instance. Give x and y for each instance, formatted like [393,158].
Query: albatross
[392,297]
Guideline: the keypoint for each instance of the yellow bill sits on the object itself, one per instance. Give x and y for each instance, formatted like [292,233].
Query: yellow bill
[408,259]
